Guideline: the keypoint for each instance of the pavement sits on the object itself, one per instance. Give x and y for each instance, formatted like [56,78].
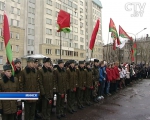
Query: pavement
[130,103]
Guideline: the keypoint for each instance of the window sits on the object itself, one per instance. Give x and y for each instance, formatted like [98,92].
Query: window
[29,20]
[81,10]
[18,11]
[1,59]
[70,3]
[33,21]
[12,9]
[1,5]
[17,48]
[81,47]
[0,31]
[81,39]
[75,21]
[11,35]
[81,24]
[48,11]
[12,22]
[81,17]
[49,2]
[1,18]
[75,29]
[30,31]
[17,36]
[48,21]
[75,6]
[81,3]
[76,54]
[31,52]
[82,55]
[76,45]
[32,1]
[48,41]
[56,13]
[48,31]
[75,37]
[28,52]
[29,41]
[57,51]
[58,5]
[19,1]
[48,51]
[1,45]
[81,32]
[18,23]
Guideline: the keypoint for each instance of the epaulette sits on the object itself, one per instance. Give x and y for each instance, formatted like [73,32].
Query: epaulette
[55,68]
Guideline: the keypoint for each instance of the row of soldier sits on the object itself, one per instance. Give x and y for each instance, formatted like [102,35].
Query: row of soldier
[79,83]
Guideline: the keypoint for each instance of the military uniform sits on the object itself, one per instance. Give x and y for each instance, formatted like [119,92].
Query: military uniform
[95,73]
[29,83]
[81,74]
[47,84]
[61,87]
[72,84]
[8,108]
[89,85]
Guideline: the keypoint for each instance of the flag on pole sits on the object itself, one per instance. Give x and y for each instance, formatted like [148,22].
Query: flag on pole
[63,21]
[114,34]
[123,34]
[94,33]
[6,36]
[133,52]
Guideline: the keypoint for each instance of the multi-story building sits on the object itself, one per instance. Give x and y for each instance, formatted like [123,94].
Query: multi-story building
[37,19]
[14,13]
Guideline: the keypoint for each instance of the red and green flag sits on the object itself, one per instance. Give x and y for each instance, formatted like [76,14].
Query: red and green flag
[123,34]
[6,36]
[114,34]
[94,34]
[133,51]
[63,21]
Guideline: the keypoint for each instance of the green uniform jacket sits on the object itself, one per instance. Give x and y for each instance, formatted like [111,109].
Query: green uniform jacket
[46,80]
[60,77]
[29,81]
[95,73]
[81,74]
[18,76]
[89,80]
[71,78]
[9,85]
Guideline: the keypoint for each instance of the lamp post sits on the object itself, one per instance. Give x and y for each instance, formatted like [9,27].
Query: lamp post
[136,41]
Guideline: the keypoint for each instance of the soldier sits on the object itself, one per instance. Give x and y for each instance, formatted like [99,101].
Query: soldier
[8,83]
[95,73]
[61,87]
[72,84]
[89,84]
[17,63]
[81,74]
[36,63]
[29,83]
[47,84]
[39,66]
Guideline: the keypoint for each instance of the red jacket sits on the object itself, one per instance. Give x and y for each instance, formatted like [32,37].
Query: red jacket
[117,72]
[109,74]
[113,74]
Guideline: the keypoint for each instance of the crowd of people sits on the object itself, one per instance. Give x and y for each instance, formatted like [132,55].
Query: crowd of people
[76,85]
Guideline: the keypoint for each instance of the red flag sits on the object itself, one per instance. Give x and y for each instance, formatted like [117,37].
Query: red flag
[94,33]
[63,21]
[123,34]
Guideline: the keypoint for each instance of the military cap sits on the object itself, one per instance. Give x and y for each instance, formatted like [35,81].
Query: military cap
[60,61]
[87,63]
[96,60]
[67,63]
[30,59]
[17,61]
[36,60]
[7,67]
[71,61]
[81,62]
[76,64]
[39,65]
[46,59]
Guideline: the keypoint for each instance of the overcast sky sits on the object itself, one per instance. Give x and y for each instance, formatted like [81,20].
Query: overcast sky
[123,13]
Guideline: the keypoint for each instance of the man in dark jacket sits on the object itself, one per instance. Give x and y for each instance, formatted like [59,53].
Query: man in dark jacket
[29,83]
[8,83]
[61,87]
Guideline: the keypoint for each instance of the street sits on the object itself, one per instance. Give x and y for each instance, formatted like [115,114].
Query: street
[131,103]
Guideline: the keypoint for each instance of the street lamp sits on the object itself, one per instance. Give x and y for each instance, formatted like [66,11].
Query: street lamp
[135,40]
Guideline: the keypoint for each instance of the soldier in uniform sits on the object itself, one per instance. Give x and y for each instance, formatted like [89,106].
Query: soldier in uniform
[61,87]
[89,84]
[8,83]
[47,84]
[29,83]
[17,63]
[95,74]
[81,74]
[72,84]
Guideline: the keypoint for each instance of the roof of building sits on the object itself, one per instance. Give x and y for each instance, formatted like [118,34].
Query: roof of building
[98,2]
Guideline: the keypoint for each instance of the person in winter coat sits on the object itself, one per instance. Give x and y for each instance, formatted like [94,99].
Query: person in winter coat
[108,78]
[127,81]
[116,69]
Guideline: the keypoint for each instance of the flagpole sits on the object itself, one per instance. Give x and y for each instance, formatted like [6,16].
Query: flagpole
[91,55]
[107,48]
[60,44]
